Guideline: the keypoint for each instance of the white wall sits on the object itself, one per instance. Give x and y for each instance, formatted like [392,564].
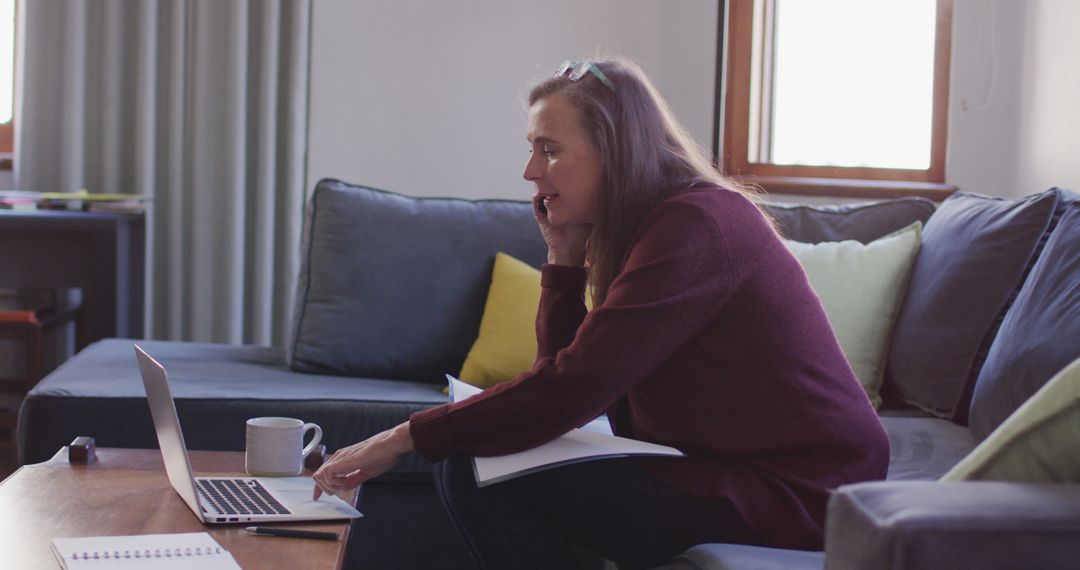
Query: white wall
[1014,124]
[427,98]
[7,180]
[1049,148]
[985,96]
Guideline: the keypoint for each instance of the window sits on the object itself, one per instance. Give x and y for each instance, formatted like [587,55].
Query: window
[7,76]
[838,97]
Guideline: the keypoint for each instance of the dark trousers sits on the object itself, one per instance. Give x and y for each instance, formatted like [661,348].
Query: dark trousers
[608,508]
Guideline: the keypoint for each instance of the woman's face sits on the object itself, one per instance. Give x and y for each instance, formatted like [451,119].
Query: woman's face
[564,165]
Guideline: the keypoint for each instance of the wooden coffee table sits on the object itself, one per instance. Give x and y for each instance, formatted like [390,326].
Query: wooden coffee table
[125,491]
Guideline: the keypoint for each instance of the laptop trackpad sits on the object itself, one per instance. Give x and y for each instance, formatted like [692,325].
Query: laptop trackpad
[295,493]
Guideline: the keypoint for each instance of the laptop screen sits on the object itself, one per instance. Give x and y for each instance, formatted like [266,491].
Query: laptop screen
[167,426]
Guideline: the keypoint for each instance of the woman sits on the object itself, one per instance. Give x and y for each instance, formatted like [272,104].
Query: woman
[706,336]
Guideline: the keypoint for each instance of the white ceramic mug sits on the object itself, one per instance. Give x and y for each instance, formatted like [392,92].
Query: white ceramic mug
[275,446]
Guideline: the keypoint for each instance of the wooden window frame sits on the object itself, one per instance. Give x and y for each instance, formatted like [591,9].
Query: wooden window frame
[821,180]
[7,137]
[7,145]
[7,130]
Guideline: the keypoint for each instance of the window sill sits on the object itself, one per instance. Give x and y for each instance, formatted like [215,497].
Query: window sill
[848,188]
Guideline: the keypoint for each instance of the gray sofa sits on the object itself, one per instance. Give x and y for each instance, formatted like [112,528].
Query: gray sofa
[390,298]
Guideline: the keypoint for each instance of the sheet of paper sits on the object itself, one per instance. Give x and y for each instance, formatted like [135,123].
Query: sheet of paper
[461,390]
[592,441]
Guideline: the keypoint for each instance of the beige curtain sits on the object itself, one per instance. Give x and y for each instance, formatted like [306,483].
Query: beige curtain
[201,104]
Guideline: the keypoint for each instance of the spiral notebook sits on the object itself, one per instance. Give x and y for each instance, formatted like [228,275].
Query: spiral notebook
[194,550]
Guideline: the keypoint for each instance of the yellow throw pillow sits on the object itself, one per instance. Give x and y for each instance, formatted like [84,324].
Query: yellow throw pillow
[506,346]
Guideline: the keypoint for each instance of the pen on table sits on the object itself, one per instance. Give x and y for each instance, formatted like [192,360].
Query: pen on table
[294,533]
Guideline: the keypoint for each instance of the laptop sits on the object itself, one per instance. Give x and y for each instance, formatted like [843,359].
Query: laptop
[228,499]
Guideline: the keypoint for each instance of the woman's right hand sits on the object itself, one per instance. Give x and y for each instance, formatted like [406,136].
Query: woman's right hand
[351,466]
[565,242]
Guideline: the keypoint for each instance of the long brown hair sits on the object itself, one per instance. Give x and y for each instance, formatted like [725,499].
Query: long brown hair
[646,154]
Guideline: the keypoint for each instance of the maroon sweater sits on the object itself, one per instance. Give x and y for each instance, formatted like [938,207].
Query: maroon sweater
[712,341]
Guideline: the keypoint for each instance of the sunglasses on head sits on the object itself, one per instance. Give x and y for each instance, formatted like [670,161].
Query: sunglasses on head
[574,70]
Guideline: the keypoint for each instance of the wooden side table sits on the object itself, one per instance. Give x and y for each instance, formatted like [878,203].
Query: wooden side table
[125,491]
[102,253]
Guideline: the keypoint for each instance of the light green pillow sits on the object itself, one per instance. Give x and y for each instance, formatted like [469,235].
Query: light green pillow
[1038,443]
[861,287]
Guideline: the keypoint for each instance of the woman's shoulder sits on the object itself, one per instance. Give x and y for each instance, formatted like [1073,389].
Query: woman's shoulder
[729,209]
[702,217]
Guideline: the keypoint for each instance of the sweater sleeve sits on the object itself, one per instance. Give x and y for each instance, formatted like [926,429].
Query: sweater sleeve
[562,308]
[676,278]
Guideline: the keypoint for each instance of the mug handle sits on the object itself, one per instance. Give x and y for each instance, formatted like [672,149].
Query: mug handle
[314,441]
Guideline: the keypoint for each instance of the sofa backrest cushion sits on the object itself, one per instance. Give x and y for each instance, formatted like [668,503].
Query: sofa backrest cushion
[1039,336]
[392,286]
[864,222]
[1037,443]
[976,251]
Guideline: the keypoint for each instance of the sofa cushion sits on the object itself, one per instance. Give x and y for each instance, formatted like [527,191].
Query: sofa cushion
[924,448]
[1037,443]
[861,287]
[1040,334]
[392,286]
[99,393]
[975,253]
[506,345]
[864,222]
[928,525]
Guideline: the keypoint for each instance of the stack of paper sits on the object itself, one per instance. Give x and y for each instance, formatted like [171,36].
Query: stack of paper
[592,441]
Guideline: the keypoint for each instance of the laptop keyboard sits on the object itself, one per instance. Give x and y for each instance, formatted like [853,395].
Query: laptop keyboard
[239,497]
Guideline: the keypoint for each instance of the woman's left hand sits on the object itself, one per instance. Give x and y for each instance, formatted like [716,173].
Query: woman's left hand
[351,466]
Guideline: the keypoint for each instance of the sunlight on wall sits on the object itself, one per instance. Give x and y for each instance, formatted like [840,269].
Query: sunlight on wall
[7,58]
[853,83]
